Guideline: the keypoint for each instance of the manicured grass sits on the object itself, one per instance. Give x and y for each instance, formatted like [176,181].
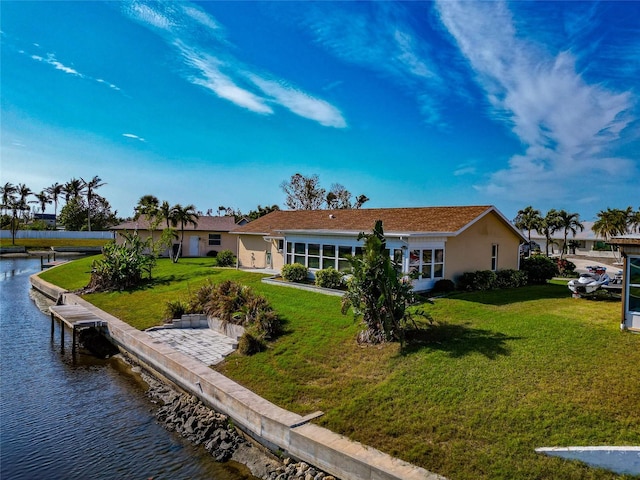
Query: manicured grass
[501,374]
[34,243]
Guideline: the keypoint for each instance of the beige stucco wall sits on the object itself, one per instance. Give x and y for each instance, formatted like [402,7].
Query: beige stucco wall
[227,242]
[471,250]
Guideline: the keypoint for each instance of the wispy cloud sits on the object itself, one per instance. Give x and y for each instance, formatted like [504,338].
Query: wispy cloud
[212,65]
[134,137]
[566,124]
[50,59]
[383,41]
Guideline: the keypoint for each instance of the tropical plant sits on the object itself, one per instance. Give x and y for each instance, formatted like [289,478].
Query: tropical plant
[225,258]
[72,189]
[183,216]
[54,192]
[611,222]
[528,219]
[548,226]
[377,292]
[42,199]
[568,222]
[9,191]
[633,221]
[89,189]
[122,266]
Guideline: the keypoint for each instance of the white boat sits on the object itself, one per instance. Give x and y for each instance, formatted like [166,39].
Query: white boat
[589,282]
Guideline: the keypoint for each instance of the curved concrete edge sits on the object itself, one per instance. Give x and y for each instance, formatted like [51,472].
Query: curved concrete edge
[270,425]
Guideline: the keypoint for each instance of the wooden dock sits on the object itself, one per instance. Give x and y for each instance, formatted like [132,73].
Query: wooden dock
[75,317]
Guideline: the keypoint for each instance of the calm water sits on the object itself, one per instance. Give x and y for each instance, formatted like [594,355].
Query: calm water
[86,418]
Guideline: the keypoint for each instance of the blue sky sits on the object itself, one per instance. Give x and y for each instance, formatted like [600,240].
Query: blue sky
[411,104]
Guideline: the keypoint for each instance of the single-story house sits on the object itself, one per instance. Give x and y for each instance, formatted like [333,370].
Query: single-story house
[210,233]
[630,247]
[432,242]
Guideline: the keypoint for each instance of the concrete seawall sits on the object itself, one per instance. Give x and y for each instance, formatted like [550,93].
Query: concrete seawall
[270,425]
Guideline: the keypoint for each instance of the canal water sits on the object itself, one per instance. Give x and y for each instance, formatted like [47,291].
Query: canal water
[64,417]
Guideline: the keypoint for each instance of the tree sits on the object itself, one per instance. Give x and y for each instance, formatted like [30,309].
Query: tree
[568,222]
[9,191]
[72,189]
[360,200]
[377,292]
[23,193]
[42,199]
[634,221]
[338,197]
[261,212]
[303,193]
[183,216]
[611,222]
[89,189]
[548,226]
[528,219]
[73,215]
[54,192]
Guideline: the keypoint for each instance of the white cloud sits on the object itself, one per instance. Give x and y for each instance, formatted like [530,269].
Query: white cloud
[51,59]
[300,103]
[133,136]
[566,124]
[214,68]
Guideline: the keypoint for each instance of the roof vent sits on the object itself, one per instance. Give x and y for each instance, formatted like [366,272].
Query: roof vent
[331,215]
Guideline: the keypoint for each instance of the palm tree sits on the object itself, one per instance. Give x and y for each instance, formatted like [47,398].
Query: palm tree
[89,188]
[528,219]
[568,222]
[54,192]
[72,189]
[634,221]
[165,212]
[42,199]
[611,222]
[183,216]
[8,195]
[548,226]
[23,193]
[149,206]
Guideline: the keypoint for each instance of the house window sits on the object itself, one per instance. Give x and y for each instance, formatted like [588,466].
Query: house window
[426,263]
[494,257]
[280,245]
[343,253]
[313,255]
[289,252]
[300,253]
[634,284]
[328,256]
[215,239]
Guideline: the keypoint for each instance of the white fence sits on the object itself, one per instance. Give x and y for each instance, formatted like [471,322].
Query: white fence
[55,234]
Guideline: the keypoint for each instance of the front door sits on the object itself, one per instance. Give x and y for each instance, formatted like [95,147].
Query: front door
[193,246]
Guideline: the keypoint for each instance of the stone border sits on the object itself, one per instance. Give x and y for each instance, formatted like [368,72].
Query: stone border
[272,426]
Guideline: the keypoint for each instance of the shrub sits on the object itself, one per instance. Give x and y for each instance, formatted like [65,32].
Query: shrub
[212,253]
[509,278]
[248,344]
[566,268]
[478,280]
[225,258]
[329,278]
[539,269]
[175,309]
[444,285]
[295,272]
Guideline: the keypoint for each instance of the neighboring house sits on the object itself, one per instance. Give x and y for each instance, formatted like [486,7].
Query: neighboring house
[48,218]
[432,242]
[211,233]
[586,242]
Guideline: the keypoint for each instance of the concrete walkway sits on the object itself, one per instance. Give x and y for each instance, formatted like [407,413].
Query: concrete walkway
[202,344]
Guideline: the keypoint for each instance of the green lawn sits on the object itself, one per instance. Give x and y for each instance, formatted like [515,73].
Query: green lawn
[503,373]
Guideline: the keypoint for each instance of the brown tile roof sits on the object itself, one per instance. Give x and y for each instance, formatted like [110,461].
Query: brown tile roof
[395,220]
[205,224]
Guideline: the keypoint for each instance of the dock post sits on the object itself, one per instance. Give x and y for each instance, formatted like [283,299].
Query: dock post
[52,322]
[73,342]
[62,336]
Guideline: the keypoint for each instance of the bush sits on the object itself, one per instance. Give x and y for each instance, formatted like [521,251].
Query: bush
[175,309]
[212,253]
[329,278]
[444,285]
[478,280]
[509,278]
[539,269]
[295,272]
[566,268]
[225,258]
[248,344]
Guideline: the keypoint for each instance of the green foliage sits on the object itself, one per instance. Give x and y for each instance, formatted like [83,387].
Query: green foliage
[294,272]
[539,269]
[329,278]
[122,266]
[377,293]
[234,303]
[212,253]
[444,285]
[74,215]
[249,344]
[225,258]
[565,267]
[481,280]
[175,309]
